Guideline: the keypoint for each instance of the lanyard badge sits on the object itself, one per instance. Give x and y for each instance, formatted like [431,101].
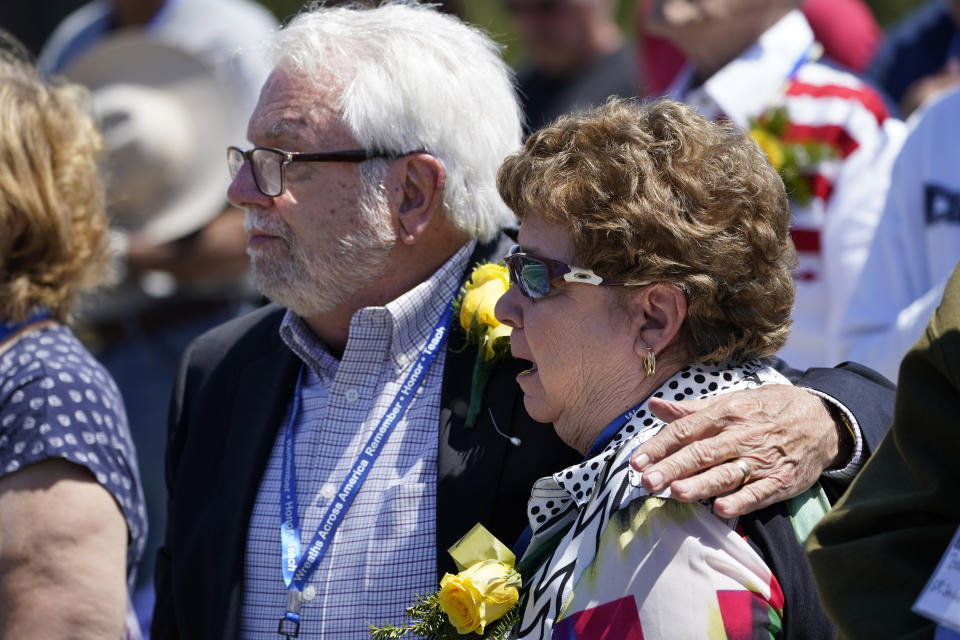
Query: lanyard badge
[297,567]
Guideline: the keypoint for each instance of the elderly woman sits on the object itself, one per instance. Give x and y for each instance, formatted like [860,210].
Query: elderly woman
[72,521]
[654,261]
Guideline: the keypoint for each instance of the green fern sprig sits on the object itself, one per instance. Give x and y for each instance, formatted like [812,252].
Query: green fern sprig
[427,619]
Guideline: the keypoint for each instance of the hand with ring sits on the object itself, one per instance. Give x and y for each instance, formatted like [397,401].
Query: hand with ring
[744,469]
[751,448]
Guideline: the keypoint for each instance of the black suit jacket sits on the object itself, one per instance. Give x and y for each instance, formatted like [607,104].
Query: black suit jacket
[229,400]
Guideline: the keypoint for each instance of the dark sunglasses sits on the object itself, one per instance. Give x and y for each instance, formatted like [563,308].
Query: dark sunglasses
[533,274]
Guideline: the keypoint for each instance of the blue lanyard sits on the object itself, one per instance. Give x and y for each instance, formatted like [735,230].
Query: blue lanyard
[7,329]
[611,430]
[297,567]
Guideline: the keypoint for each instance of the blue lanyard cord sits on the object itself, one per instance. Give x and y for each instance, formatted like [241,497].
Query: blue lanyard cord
[290,517]
[609,431]
[298,567]
[7,329]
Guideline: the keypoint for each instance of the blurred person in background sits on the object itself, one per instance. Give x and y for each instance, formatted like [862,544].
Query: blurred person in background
[577,57]
[847,30]
[224,33]
[755,62]
[916,246]
[72,516]
[921,55]
[166,116]
[180,246]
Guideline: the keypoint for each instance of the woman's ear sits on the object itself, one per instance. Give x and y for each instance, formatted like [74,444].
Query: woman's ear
[658,311]
[415,193]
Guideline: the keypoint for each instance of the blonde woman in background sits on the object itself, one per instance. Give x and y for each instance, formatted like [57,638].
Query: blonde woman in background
[72,521]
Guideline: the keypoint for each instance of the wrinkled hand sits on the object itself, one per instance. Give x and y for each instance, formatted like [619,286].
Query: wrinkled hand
[784,433]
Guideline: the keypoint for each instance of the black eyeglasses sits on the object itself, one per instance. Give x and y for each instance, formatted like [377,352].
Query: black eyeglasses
[533,274]
[269,164]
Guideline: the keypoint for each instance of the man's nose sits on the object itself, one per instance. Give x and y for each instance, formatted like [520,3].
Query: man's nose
[243,192]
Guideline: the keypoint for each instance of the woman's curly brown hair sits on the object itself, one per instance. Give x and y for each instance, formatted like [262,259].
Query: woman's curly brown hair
[654,191]
[52,209]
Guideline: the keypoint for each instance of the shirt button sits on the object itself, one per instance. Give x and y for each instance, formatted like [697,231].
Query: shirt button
[328,491]
[309,593]
[352,395]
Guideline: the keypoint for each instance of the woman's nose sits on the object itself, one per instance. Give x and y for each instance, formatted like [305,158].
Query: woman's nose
[508,308]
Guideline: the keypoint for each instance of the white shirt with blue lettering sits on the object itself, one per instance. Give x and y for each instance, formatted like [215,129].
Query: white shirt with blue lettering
[916,246]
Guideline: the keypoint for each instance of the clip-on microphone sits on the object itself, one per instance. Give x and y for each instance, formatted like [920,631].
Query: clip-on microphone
[515,441]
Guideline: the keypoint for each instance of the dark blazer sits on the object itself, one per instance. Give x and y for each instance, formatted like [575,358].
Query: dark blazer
[229,400]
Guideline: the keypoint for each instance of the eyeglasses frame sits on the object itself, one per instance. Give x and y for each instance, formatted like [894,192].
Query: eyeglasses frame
[558,270]
[289,157]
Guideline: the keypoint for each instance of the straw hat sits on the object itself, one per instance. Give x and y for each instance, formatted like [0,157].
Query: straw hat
[167,119]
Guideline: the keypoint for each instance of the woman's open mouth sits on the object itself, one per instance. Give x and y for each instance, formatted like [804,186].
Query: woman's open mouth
[529,371]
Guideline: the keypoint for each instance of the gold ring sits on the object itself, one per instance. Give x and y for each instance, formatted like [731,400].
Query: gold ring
[744,469]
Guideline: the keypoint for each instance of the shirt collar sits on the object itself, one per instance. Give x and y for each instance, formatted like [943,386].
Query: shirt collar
[410,319]
[765,68]
[416,312]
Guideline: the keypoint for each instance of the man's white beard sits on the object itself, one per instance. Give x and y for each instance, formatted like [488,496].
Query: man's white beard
[309,283]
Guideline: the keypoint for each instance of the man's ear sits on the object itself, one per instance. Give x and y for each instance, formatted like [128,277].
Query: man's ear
[415,193]
[658,311]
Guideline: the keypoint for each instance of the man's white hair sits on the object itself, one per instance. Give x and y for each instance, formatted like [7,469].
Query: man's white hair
[416,80]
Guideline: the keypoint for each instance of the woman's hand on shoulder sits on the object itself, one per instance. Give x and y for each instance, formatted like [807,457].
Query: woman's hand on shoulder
[753,447]
[63,542]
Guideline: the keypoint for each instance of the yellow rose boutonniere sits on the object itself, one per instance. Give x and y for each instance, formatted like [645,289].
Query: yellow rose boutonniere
[476,302]
[481,599]
[477,596]
[479,296]
[794,159]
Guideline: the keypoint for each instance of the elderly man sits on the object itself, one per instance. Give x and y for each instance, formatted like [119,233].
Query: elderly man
[318,463]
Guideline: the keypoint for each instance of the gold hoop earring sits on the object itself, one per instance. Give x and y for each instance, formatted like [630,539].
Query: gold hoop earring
[650,362]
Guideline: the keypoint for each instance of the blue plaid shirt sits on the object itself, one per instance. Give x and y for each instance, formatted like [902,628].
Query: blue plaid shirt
[385,549]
